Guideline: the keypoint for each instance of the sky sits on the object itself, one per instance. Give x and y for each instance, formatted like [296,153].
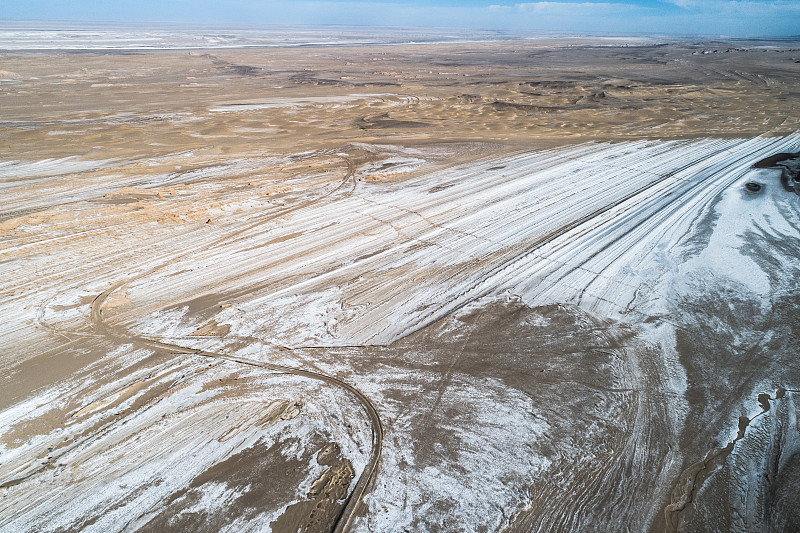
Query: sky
[704,17]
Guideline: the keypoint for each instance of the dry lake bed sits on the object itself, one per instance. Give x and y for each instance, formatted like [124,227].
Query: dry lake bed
[505,284]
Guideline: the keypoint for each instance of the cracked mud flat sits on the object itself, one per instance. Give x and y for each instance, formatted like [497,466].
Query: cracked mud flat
[506,286]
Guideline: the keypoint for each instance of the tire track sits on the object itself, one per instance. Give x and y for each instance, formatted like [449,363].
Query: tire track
[370,471]
[101,328]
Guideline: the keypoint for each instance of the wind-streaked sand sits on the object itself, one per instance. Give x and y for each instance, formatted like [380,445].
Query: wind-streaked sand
[498,286]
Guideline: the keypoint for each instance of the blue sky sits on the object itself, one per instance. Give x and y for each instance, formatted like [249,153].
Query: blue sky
[708,17]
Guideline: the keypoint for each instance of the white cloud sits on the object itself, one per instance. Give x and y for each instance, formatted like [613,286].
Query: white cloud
[746,7]
[572,8]
[685,4]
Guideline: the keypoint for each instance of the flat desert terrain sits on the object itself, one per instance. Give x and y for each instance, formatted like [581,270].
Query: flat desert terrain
[498,285]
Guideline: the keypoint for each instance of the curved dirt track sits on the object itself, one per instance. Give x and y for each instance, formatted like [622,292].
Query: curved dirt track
[356,494]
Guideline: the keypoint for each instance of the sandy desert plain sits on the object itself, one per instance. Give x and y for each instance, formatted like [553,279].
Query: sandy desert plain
[506,285]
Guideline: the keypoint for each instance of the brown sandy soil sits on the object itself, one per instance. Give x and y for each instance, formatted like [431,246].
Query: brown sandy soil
[241,290]
[102,106]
